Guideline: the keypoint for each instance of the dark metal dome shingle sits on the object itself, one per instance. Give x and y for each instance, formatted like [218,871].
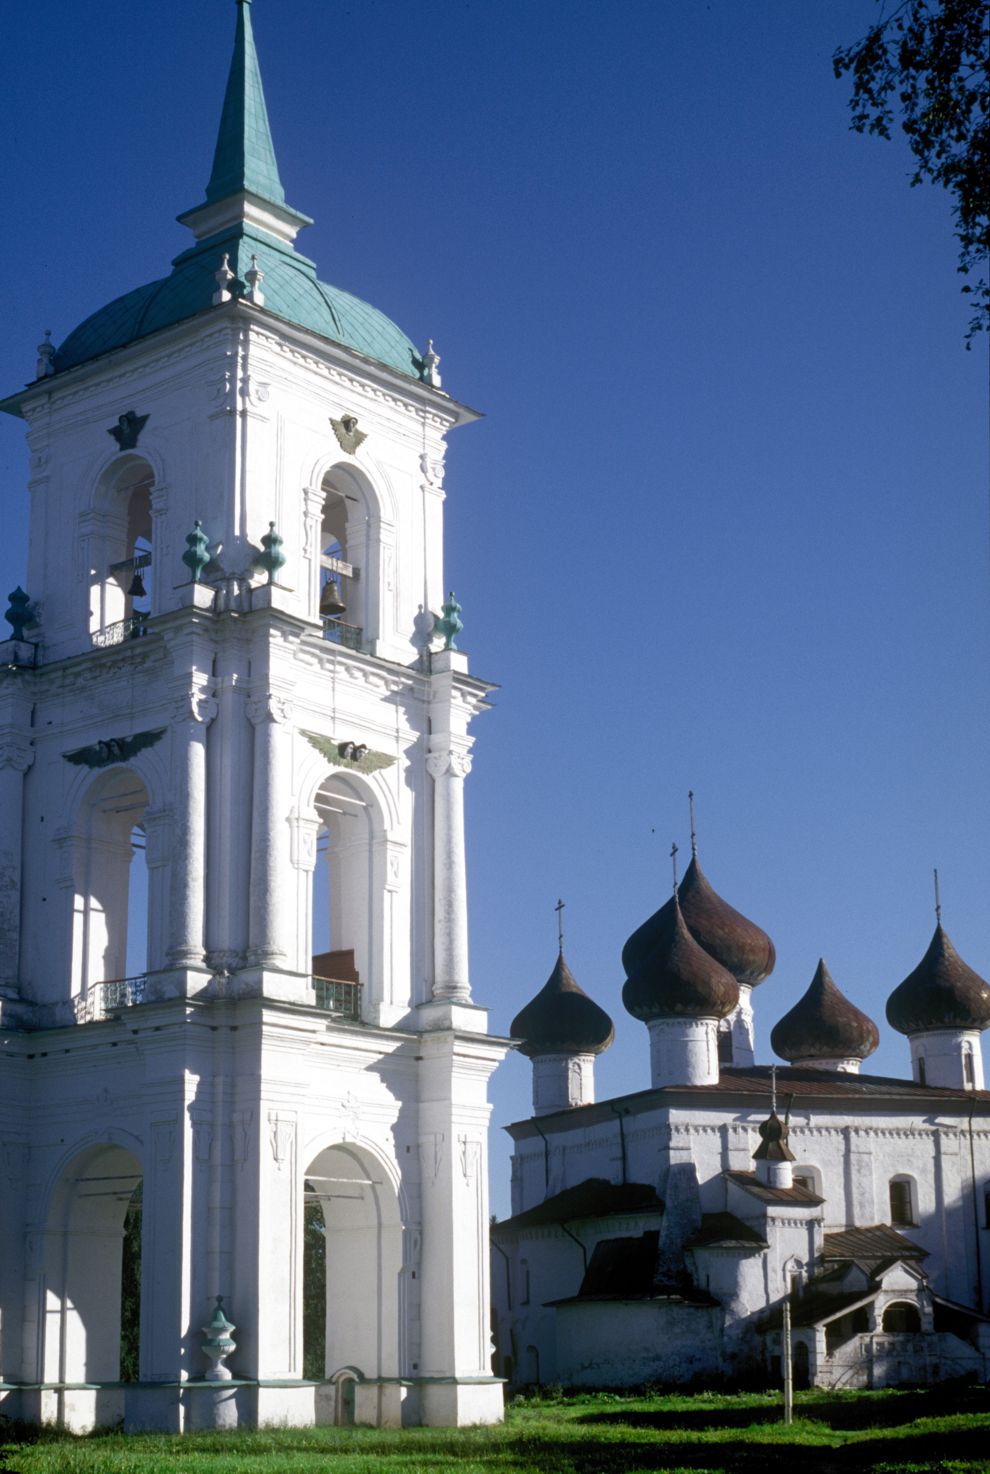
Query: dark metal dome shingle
[943,992]
[562,1019]
[823,1024]
[676,977]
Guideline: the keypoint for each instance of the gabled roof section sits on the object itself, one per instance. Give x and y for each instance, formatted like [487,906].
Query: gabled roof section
[245,155]
[870,1245]
[796,1197]
[724,1231]
[593,1198]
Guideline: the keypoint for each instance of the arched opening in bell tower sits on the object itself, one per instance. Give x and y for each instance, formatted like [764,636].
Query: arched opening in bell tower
[92,1269]
[347,558]
[111,918]
[121,551]
[354,1287]
[346,901]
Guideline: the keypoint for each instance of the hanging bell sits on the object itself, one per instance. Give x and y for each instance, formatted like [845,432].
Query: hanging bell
[331,604]
[137,589]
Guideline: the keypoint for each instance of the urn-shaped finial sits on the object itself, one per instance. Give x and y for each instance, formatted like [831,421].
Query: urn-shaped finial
[218,1344]
[197,553]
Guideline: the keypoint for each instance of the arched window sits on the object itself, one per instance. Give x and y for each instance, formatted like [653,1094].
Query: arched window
[524,1282]
[810,1178]
[903,1201]
[345,608]
[725,1042]
[122,564]
[110,910]
[920,1064]
[349,901]
[901,1317]
[969,1075]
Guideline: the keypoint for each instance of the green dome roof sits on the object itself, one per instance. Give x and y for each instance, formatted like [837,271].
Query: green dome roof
[244,176]
[291,291]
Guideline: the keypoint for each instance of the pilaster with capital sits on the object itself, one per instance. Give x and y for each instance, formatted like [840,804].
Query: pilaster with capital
[194,708]
[16,757]
[312,515]
[448,767]
[271,914]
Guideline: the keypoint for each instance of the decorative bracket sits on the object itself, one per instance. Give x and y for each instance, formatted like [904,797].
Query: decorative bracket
[348,435]
[127,430]
[113,749]
[338,754]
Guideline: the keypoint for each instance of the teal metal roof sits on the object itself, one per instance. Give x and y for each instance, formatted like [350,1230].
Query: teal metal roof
[244,164]
[291,290]
[245,154]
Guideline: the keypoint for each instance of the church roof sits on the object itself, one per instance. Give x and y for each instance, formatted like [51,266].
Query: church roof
[593,1198]
[735,942]
[876,1243]
[562,1019]
[823,1024]
[724,1231]
[942,992]
[674,977]
[244,215]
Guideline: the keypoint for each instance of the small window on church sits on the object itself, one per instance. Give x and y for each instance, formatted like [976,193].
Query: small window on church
[810,1178]
[902,1205]
[524,1282]
[968,1075]
[725,1044]
[921,1070]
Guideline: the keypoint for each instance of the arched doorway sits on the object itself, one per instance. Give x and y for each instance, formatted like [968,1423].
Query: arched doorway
[92,1269]
[902,1317]
[122,555]
[355,1281]
[347,896]
[111,896]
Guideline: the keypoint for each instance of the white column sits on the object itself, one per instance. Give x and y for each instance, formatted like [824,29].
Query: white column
[450,925]
[195,708]
[268,940]
[16,756]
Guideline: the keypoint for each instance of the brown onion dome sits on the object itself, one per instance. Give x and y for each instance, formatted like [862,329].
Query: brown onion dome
[677,978]
[824,1025]
[562,1019]
[942,993]
[741,947]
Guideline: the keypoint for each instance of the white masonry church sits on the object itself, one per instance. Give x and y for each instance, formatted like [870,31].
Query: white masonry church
[234,733]
[662,1235]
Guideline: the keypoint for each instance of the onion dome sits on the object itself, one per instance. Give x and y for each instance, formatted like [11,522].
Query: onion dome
[941,993]
[676,978]
[824,1025]
[738,944]
[562,1019]
[773,1140]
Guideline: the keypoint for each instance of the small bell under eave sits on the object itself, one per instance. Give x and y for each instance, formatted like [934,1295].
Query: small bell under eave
[137,589]
[331,604]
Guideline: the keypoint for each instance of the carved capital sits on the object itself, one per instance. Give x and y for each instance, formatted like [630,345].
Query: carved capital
[268,708]
[457,764]
[16,752]
[196,704]
[432,469]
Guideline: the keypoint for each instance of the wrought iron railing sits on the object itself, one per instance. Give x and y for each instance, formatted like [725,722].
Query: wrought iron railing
[335,996]
[103,1000]
[132,628]
[349,635]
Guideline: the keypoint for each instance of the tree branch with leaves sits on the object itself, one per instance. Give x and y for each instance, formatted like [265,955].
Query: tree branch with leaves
[928,64]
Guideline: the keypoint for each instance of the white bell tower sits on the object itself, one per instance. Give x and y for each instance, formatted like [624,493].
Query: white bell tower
[240,1054]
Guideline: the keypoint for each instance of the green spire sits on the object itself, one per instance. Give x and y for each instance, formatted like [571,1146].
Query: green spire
[245,157]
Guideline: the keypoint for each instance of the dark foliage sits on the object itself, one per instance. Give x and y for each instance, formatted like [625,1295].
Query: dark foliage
[314,1292]
[927,63]
[130,1291]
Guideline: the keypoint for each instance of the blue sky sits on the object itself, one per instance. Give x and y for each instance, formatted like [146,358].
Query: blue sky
[725,524]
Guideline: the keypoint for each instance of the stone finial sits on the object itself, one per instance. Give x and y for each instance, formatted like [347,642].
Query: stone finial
[197,554]
[254,278]
[272,558]
[450,624]
[20,614]
[223,276]
[218,1344]
[430,373]
[45,366]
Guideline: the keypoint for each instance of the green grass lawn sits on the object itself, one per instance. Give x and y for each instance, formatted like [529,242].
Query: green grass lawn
[938,1431]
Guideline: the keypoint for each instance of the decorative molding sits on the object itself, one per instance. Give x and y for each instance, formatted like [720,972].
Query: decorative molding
[112,749]
[268,708]
[127,429]
[281,1130]
[432,469]
[16,752]
[458,764]
[194,705]
[349,437]
[336,754]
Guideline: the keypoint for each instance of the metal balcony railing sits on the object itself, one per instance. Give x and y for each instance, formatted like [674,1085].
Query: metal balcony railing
[132,628]
[351,636]
[335,996]
[106,999]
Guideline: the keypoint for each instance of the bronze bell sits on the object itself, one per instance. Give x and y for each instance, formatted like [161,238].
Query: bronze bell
[137,589]
[331,604]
